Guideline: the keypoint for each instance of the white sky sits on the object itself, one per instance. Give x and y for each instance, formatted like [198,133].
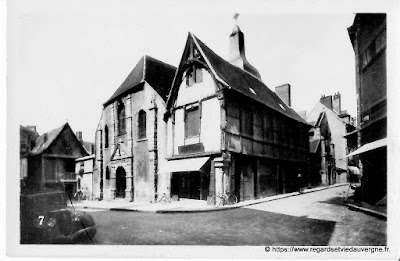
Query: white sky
[68,57]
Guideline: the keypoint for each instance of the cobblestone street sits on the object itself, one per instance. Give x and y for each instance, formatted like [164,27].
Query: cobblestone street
[317,218]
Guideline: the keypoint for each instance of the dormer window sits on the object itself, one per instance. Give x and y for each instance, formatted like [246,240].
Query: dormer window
[193,75]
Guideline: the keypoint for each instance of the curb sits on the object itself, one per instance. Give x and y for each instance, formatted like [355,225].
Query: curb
[367,211]
[281,196]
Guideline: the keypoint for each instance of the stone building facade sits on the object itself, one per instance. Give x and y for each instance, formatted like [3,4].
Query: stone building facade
[130,136]
[368,37]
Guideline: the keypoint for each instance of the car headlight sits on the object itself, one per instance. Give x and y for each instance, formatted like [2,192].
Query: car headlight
[75,217]
[51,222]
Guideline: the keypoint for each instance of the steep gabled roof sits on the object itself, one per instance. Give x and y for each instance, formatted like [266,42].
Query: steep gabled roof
[314,145]
[45,140]
[235,78]
[156,73]
[323,125]
[318,107]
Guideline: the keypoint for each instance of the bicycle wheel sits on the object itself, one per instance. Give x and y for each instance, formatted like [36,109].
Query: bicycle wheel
[231,200]
[216,201]
[163,200]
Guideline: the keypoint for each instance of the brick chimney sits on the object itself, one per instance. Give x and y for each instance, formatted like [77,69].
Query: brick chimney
[31,127]
[327,101]
[79,136]
[283,92]
[336,103]
[237,53]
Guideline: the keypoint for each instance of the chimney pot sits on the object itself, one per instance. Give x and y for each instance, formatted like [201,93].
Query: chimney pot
[336,103]
[283,92]
[79,136]
[327,101]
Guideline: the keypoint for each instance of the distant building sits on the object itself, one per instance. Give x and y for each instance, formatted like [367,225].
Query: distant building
[89,146]
[27,138]
[85,179]
[51,163]
[227,132]
[331,125]
[368,37]
[323,153]
[130,136]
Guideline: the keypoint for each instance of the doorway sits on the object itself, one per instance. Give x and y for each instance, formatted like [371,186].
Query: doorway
[120,182]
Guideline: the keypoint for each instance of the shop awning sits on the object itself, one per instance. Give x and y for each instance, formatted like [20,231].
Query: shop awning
[192,164]
[369,146]
[354,170]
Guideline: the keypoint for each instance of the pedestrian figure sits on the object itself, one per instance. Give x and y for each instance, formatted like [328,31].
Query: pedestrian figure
[300,183]
[78,195]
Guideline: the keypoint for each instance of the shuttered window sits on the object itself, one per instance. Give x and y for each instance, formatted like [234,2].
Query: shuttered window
[192,122]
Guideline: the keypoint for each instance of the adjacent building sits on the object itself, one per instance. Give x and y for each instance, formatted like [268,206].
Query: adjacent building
[51,163]
[328,140]
[130,136]
[368,37]
[227,132]
[85,179]
[322,151]
[27,138]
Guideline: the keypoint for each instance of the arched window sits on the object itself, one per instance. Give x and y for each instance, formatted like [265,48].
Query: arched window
[106,136]
[107,172]
[142,124]
[121,118]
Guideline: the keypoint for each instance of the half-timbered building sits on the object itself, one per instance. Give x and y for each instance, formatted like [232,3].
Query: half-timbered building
[227,132]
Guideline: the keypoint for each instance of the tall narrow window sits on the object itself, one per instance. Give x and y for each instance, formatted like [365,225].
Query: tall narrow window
[121,118]
[142,125]
[106,136]
[192,122]
[107,172]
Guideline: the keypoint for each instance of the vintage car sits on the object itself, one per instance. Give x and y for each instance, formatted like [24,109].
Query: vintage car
[45,219]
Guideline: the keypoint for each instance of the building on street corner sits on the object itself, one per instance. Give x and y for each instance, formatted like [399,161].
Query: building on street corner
[130,136]
[51,163]
[227,132]
[328,141]
[368,37]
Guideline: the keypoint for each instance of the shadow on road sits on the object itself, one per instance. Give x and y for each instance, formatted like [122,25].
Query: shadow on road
[339,201]
[238,227]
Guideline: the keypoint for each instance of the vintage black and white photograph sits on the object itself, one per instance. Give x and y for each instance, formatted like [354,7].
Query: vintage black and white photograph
[185,125]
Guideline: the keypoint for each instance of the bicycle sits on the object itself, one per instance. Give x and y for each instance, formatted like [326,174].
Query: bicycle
[223,199]
[164,199]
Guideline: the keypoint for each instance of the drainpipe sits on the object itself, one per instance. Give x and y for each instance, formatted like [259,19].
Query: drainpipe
[155,148]
[155,144]
[132,167]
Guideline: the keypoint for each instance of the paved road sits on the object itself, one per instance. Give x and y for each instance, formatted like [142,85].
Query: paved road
[311,219]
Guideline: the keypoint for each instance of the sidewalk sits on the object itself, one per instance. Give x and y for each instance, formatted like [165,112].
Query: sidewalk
[181,206]
[378,211]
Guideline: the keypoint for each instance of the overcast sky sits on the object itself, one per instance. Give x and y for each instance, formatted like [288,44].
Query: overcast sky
[68,57]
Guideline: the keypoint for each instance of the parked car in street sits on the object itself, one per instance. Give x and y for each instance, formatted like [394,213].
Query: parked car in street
[45,219]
